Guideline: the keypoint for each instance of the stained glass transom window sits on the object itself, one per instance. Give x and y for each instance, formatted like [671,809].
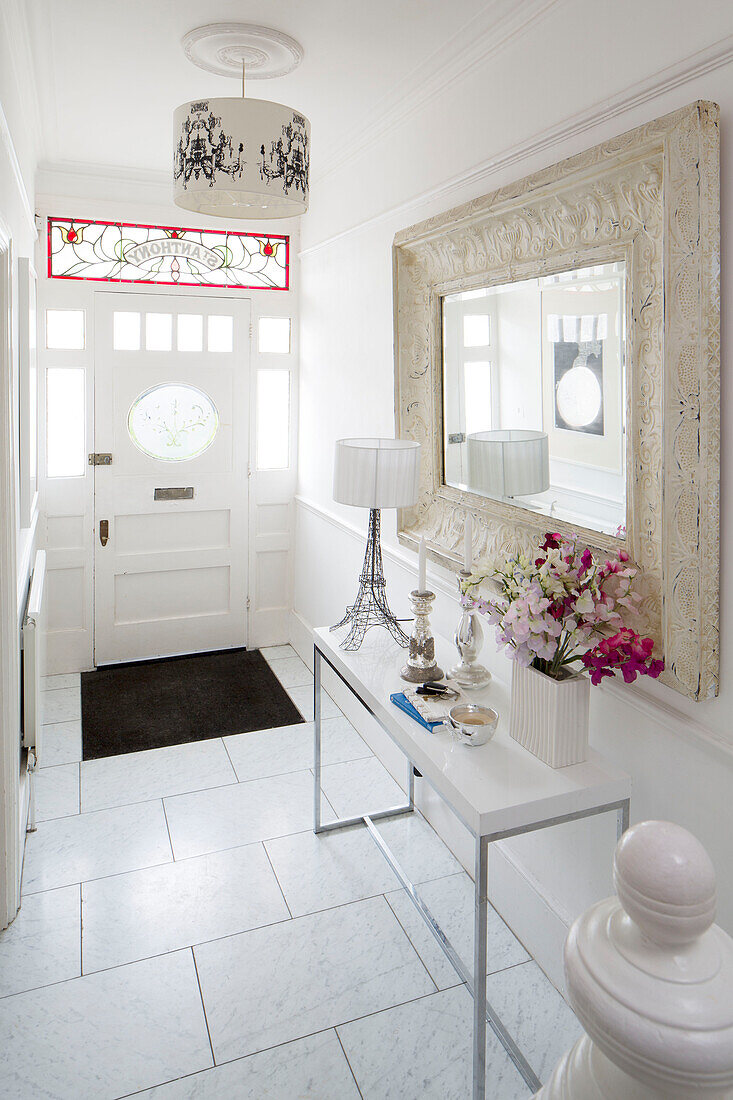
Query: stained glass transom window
[173,422]
[123,253]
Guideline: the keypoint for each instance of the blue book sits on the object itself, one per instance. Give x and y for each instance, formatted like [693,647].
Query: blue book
[400,700]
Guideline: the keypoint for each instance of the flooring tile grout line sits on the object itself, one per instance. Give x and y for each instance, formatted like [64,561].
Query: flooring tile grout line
[213,852]
[105,970]
[157,797]
[241,783]
[174,950]
[348,1063]
[142,801]
[226,750]
[60,817]
[414,1000]
[220,939]
[328,800]
[277,880]
[254,1053]
[229,758]
[97,878]
[512,932]
[503,970]
[355,901]
[50,767]
[460,982]
[168,830]
[387,1008]
[331,1027]
[163,863]
[293,771]
[178,862]
[81,930]
[287,657]
[203,1005]
[412,945]
[36,988]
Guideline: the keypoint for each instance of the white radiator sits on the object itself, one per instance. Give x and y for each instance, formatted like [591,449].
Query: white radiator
[34,639]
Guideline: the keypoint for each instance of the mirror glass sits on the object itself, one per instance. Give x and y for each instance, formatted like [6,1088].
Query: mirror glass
[534,395]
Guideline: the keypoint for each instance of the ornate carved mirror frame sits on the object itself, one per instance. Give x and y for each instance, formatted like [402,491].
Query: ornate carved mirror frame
[650,198]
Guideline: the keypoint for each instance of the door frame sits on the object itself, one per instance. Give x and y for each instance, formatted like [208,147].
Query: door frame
[12,830]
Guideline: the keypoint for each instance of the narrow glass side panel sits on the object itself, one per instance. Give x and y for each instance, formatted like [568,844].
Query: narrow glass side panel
[273,419]
[65,427]
[274,335]
[65,329]
[33,419]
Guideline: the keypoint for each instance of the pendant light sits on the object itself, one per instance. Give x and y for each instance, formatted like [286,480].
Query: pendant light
[240,157]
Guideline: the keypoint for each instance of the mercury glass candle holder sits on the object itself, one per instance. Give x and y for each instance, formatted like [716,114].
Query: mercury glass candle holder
[469,639]
[420,665]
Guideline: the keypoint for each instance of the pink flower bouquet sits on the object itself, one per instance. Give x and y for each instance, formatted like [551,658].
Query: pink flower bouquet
[564,608]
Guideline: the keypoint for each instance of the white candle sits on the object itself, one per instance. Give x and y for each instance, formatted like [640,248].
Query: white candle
[422,584]
[468,543]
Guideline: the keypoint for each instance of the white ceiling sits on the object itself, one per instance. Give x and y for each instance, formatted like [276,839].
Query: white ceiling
[110,72]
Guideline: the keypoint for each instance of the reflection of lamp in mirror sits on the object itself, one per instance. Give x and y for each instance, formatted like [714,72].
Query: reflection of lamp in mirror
[508,462]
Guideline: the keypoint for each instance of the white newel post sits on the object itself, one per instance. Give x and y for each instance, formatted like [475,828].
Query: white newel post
[650,977]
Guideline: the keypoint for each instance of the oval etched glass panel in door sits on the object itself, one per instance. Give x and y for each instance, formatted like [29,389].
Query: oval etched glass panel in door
[173,422]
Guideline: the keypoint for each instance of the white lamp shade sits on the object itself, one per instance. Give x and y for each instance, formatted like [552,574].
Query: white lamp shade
[509,463]
[376,473]
[242,158]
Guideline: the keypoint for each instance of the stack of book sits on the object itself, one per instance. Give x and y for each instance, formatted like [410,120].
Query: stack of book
[430,711]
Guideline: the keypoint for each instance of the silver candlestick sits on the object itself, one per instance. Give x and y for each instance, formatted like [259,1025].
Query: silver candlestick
[469,638]
[421,665]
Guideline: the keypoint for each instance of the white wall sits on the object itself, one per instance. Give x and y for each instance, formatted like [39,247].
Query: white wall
[581,73]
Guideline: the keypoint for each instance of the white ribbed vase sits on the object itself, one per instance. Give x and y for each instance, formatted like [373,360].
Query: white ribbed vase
[550,717]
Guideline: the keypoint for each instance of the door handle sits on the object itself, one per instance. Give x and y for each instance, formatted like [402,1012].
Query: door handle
[104,531]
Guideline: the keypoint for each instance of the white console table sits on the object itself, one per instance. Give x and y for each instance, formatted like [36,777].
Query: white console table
[498,790]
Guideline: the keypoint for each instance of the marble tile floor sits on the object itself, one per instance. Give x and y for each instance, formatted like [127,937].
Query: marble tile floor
[184,934]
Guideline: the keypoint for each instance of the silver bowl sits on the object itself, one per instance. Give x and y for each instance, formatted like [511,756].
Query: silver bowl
[473,724]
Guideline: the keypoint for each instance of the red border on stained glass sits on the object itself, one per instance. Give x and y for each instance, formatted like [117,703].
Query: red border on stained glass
[175,229]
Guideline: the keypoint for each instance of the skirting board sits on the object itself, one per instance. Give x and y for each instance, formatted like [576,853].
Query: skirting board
[514,894]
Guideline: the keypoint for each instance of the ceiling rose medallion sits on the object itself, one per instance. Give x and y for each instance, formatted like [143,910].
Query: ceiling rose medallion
[239,157]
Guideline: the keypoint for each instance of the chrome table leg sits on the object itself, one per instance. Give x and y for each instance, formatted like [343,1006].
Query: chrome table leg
[317,741]
[481,912]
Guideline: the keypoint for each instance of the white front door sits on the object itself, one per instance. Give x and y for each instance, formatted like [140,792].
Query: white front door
[172,410]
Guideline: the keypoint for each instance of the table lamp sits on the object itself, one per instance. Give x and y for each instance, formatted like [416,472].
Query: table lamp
[374,474]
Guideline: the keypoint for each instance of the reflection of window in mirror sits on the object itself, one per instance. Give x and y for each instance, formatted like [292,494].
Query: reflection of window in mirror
[534,394]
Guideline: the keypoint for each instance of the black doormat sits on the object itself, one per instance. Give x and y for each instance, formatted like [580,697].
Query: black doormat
[149,704]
